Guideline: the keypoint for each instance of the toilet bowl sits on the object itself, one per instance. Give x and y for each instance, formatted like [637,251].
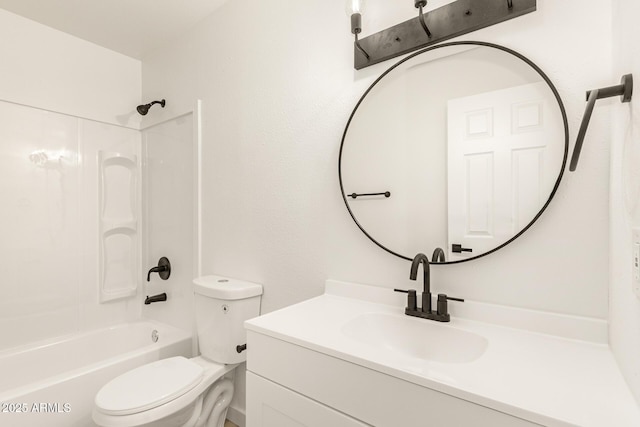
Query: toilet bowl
[187,392]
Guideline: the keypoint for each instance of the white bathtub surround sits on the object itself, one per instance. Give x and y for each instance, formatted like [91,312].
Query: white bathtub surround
[553,380]
[71,370]
[170,171]
[119,237]
[49,171]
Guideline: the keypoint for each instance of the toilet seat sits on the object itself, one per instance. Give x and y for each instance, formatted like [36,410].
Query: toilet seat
[149,386]
[211,372]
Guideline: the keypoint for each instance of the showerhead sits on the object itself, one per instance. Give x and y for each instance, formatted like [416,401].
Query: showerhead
[144,109]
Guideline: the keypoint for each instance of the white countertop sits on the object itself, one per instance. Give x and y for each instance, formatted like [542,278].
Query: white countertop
[551,380]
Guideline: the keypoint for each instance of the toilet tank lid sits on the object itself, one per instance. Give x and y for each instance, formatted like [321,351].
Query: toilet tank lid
[225,288]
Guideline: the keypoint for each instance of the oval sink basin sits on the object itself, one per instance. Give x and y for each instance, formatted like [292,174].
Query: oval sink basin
[417,338]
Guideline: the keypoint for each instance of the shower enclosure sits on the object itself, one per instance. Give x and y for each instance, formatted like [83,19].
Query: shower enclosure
[87,209]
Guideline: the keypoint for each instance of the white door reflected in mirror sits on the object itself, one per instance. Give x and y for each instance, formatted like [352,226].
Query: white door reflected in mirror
[470,140]
[501,142]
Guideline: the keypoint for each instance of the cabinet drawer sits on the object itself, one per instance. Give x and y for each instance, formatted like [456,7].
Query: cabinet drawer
[271,405]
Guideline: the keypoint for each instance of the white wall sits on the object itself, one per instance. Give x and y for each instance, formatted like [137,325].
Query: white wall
[277,91]
[624,306]
[276,97]
[49,69]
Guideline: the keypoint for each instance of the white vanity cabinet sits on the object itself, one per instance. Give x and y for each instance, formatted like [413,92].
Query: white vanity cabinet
[292,386]
[351,357]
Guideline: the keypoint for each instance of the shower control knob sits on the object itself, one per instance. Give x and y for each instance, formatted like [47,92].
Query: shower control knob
[163,269]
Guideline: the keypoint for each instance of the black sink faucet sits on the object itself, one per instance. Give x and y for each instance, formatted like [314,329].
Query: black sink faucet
[426,292]
[441,314]
[438,255]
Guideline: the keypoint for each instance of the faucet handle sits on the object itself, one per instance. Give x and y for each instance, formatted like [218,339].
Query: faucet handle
[412,304]
[442,304]
[163,268]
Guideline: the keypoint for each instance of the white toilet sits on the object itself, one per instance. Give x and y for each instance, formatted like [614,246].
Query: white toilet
[187,392]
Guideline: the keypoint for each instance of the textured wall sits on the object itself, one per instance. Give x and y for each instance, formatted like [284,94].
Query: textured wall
[52,70]
[276,97]
[624,306]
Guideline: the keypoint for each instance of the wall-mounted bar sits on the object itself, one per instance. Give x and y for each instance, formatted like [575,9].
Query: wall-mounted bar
[451,20]
[355,196]
[624,90]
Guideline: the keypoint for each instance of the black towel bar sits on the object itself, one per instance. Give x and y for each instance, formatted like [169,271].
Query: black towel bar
[385,194]
[624,90]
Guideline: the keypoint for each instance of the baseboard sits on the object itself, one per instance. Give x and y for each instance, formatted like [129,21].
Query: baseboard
[237,416]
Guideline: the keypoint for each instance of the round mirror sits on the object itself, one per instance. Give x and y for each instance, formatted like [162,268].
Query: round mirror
[460,146]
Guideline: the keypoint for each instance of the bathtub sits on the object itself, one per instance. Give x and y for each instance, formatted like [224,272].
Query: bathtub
[53,384]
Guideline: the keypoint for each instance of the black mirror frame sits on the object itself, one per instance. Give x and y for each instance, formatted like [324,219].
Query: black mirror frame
[459,43]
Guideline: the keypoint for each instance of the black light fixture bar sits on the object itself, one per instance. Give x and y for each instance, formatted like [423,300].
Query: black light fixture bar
[452,20]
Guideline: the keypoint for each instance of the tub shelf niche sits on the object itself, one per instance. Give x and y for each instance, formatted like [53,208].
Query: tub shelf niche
[118,201]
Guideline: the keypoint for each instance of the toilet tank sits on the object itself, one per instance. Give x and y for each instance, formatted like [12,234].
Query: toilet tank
[222,305]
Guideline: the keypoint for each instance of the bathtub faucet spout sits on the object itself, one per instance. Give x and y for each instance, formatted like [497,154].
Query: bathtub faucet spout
[155,298]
